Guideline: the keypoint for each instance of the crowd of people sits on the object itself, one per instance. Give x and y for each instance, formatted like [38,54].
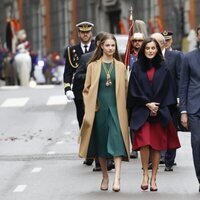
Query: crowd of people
[19,67]
[144,105]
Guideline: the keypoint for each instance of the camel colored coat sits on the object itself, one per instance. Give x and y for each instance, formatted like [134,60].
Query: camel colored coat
[90,100]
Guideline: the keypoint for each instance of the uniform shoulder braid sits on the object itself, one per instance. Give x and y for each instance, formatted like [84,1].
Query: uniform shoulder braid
[73,56]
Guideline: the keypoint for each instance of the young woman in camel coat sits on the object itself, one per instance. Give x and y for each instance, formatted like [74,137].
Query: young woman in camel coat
[104,132]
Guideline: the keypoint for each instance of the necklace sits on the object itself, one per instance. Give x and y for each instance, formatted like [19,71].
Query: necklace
[108,72]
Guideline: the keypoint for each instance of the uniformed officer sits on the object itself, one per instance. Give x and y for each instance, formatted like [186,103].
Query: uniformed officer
[72,57]
[174,62]
[168,39]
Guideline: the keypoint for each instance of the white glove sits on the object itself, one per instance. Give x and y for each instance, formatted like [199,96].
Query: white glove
[70,95]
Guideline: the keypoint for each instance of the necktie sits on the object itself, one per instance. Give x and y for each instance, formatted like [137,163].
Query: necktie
[85,46]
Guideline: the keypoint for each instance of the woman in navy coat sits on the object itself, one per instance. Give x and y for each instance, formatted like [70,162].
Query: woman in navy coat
[150,94]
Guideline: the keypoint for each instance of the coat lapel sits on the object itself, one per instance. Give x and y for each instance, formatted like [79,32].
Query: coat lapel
[97,71]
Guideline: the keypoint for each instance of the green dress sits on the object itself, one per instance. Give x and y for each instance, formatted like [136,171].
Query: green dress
[106,139]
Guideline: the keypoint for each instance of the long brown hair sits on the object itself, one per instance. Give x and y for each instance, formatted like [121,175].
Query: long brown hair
[99,52]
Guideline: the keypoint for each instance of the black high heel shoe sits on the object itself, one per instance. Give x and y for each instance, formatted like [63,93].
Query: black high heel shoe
[146,186]
[153,188]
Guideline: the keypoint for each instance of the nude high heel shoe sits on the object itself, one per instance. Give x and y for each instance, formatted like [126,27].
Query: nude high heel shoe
[116,185]
[104,184]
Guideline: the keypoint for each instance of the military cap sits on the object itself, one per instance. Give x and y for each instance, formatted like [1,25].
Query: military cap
[167,34]
[137,36]
[84,26]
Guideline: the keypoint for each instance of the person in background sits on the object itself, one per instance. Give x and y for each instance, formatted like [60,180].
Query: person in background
[198,36]
[168,39]
[136,42]
[189,102]
[174,62]
[73,54]
[150,93]
[104,132]
[2,55]
[22,59]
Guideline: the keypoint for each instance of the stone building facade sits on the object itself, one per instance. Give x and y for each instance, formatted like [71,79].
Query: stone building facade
[50,24]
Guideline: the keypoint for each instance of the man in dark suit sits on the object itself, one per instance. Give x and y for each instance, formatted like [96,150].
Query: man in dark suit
[174,61]
[72,56]
[189,102]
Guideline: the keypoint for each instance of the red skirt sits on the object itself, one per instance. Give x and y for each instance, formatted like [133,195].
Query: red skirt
[157,137]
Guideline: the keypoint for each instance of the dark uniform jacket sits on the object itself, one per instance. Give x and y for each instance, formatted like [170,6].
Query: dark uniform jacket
[174,61]
[141,92]
[73,55]
[79,77]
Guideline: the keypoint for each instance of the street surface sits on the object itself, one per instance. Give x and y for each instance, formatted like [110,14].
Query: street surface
[39,160]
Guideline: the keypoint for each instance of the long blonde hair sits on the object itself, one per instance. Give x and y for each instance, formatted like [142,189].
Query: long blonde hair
[99,52]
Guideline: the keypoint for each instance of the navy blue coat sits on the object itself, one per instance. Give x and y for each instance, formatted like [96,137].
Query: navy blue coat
[141,92]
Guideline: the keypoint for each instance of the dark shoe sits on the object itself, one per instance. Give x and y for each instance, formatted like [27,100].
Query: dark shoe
[150,166]
[174,163]
[97,169]
[145,186]
[88,161]
[153,188]
[110,165]
[162,160]
[168,169]
[134,154]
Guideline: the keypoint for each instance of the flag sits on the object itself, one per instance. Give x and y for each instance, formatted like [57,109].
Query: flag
[159,24]
[151,26]
[130,33]
[122,27]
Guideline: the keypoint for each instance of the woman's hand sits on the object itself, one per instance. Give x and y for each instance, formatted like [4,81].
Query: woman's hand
[153,107]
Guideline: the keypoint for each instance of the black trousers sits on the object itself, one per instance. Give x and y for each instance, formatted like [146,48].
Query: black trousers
[79,111]
[170,155]
[194,123]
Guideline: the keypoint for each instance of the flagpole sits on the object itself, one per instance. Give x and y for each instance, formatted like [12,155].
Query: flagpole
[130,33]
